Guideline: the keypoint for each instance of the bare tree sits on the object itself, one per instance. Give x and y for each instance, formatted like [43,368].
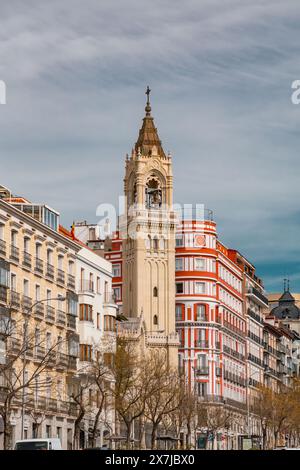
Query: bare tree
[20,375]
[212,418]
[131,385]
[164,394]
[186,414]
[102,380]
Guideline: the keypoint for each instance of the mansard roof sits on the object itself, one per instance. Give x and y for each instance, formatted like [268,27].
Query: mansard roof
[286,308]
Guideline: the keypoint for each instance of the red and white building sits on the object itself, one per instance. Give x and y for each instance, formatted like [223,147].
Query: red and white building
[209,314]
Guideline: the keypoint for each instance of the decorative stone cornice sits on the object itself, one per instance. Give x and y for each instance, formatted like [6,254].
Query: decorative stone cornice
[15,224]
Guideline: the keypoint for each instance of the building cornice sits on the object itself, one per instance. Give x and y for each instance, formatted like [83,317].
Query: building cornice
[24,218]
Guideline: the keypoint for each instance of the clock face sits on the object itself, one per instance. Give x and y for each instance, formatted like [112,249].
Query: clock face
[199,240]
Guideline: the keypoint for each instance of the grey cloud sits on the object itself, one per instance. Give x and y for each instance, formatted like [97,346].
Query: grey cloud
[220,72]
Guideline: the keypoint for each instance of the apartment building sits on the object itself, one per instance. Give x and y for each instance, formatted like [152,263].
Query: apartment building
[254,304]
[210,320]
[38,296]
[109,248]
[97,335]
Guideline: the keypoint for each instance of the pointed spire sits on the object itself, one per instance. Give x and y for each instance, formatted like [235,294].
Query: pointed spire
[148,136]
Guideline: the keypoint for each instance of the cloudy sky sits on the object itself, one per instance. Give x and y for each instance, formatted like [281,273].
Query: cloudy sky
[220,73]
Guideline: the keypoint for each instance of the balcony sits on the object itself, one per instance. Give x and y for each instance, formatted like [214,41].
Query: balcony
[255,316]
[60,318]
[39,266]
[26,303]
[50,314]
[255,338]
[49,271]
[51,405]
[71,282]
[14,299]
[3,294]
[14,347]
[270,371]
[72,363]
[271,350]
[51,358]
[258,297]
[211,398]
[2,248]
[202,370]
[109,298]
[71,322]
[60,277]
[5,323]
[255,360]
[233,328]
[203,344]
[41,403]
[235,403]
[73,409]
[14,254]
[27,260]
[202,318]
[39,310]
[86,286]
[62,361]
[233,353]
[39,353]
[232,377]
[253,382]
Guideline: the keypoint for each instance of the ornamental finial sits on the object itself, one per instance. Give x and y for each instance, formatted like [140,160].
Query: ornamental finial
[148,107]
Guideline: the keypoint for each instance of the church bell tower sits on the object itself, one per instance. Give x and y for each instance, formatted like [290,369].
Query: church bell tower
[149,239]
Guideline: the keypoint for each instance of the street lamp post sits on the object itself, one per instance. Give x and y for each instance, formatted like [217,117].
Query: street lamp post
[62,298]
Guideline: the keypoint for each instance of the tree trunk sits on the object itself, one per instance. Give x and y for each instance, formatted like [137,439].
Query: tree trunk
[275,438]
[264,437]
[7,431]
[153,435]
[77,429]
[128,434]
[95,427]
[189,435]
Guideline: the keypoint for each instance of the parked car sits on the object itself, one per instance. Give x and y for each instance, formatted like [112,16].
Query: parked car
[38,444]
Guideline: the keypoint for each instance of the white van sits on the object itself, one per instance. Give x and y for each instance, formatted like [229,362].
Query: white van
[38,444]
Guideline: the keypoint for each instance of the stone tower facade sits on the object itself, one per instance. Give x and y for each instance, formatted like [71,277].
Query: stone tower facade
[148,233]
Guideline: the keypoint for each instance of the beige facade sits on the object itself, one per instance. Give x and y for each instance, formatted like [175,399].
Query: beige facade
[37,268]
[149,242]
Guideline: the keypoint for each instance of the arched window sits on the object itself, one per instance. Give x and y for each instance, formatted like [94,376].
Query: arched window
[155,320]
[155,292]
[155,243]
[153,194]
[148,243]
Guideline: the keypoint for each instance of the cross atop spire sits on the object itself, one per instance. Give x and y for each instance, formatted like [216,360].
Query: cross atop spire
[148,91]
[148,107]
[286,284]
